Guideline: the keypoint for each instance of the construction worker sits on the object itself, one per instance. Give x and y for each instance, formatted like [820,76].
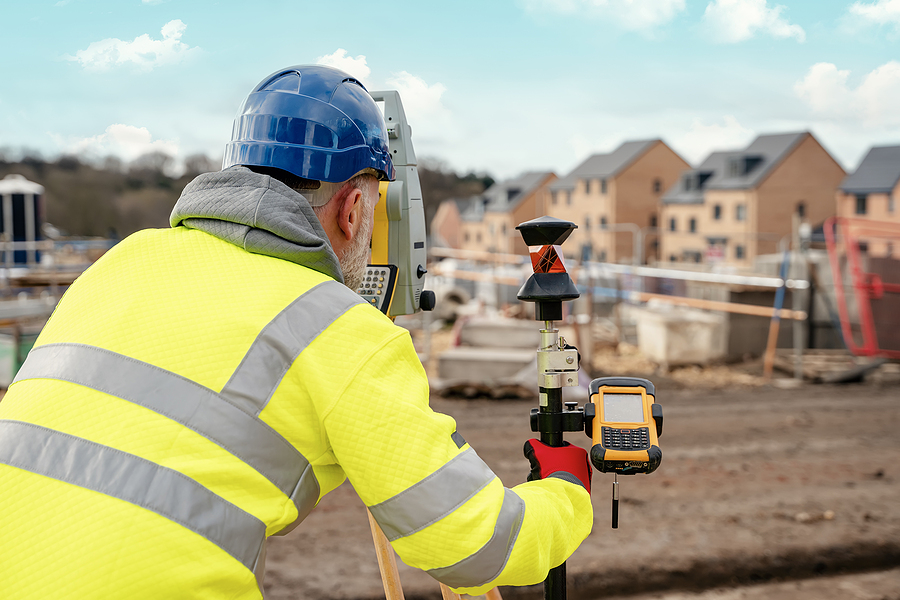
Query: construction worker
[200,388]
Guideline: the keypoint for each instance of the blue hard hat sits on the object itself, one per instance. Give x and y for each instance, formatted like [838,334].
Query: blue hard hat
[313,121]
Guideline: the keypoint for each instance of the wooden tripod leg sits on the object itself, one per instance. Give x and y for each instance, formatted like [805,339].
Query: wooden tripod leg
[390,577]
[387,562]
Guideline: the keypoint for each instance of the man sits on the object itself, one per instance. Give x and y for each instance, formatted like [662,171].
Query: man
[201,387]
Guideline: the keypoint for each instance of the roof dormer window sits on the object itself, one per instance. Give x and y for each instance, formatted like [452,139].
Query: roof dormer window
[738,166]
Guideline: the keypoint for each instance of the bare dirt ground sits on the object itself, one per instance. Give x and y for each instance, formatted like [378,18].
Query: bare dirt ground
[762,493]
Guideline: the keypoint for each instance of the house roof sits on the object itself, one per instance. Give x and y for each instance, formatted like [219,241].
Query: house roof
[691,184]
[878,172]
[502,196]
[17,184]
[506,194]
[604,165]
[754,162]
[471,208]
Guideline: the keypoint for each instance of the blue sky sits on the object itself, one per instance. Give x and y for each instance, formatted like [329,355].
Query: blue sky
[500,86]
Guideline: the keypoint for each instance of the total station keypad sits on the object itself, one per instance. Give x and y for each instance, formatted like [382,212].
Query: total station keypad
[625,439]
[374,286]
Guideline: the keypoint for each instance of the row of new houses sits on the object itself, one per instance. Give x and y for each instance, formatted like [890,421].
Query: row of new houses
[644,203]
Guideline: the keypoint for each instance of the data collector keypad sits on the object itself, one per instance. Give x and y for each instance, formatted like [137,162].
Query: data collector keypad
[625,439]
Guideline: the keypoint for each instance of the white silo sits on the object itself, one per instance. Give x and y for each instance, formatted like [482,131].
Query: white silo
[20,216]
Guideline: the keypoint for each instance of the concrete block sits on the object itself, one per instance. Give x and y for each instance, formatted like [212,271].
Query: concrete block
[483,365]
[672,336]
[487,332]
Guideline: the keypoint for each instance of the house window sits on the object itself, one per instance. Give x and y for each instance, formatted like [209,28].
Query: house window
[691,256]
[554,197]
[693,225]
[602,186]
[890,204]
[466,236]
[603,256]
[739,252]
[861,204]
[657,185]
[717,212]
[740,212]
[587,186]
[503,229]
[569,198]
[673,258]
[587,223]
[478,238]
[652,220]
[863,247]
[602,222]
[801,209]
[672,224]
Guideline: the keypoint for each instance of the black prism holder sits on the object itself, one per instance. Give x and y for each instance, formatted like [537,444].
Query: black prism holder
[557,361]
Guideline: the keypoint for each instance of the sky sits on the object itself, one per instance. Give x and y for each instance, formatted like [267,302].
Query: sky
[495,86]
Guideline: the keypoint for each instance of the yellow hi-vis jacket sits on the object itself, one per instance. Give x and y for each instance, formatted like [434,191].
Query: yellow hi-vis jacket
[188,399]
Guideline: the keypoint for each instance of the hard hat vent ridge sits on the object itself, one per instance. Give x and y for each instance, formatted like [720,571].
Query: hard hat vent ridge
[305,121]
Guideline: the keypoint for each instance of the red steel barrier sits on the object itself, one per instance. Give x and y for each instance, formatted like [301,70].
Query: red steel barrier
[866,255]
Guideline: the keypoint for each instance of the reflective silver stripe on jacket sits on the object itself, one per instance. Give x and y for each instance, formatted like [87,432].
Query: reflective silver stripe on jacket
[136,480]
[485,564]
[186,402]
[433,498]
[281,341]
[229,418]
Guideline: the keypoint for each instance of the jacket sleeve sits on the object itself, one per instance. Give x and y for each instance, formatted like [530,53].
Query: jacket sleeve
[439,504]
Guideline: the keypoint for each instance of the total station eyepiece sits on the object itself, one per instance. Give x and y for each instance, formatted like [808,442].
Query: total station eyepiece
[550,285]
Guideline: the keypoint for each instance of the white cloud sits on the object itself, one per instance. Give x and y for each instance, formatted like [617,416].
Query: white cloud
[125,141]
[873,103]
[633,15]
[418,97]
[703,138]
[142,51]
[732,21]
[356,67]
[880,12]
[430,119]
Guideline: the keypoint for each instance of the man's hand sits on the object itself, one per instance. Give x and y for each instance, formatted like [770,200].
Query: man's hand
[563,460]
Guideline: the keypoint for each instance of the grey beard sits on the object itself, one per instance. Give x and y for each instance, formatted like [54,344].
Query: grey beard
[356,257]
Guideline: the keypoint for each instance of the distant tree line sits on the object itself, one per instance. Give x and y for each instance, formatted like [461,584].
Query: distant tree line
[111,198]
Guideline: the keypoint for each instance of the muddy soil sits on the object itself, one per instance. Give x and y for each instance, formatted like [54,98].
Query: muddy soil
[757,485]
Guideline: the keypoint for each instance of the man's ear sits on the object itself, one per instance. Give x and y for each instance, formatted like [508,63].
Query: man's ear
[350,212]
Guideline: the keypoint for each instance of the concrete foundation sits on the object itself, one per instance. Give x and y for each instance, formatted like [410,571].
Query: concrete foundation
[486,332]
[483,365]
[671,336]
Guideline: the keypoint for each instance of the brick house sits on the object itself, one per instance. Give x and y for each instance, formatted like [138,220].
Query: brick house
[614,199]
[873,192]
[447,223]
[737,205]
[488,222]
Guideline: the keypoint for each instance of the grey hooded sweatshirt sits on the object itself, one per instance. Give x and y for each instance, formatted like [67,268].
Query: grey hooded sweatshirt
[259,214]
